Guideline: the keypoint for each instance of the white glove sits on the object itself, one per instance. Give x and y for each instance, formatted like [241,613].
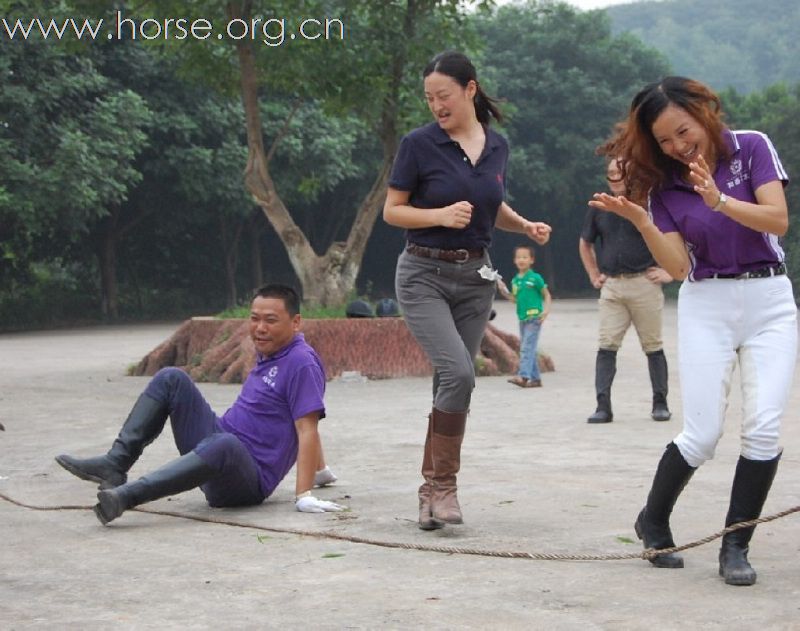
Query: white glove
[307,503]
[324,477]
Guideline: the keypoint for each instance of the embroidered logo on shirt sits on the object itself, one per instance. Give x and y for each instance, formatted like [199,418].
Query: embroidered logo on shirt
[269,378]
[737,180]
[736,167]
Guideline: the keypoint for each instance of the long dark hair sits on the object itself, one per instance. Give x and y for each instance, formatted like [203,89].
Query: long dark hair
[646,165]
[458,66]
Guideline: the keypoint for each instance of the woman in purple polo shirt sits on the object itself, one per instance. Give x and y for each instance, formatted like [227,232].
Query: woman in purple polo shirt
[716,211]
[446,189]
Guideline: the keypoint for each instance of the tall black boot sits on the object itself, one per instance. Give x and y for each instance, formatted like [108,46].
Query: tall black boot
[751,485]
[604,372]
[652,524]
[185,473]
[144,424]
[659,379]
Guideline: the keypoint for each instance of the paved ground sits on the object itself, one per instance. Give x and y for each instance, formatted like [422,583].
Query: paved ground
[535,478]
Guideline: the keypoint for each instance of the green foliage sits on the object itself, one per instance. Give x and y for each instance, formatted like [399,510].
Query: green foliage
[567,80]
[741,44]
[70,139]
[776,112]
[138,148]
[53,295]
[308,313]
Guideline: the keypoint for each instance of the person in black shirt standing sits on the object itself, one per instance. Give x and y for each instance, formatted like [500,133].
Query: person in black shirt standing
[619,264]
[447,189]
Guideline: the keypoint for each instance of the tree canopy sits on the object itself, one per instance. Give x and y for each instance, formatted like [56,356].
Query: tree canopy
[737,44]
[122,192]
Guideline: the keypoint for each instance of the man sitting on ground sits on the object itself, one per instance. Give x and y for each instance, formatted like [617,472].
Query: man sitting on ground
[240,458]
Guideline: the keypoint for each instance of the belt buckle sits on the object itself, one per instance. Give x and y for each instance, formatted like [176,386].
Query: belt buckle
[458,258]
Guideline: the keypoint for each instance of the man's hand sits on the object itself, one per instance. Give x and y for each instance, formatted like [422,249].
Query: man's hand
[599,280]
[658,275]
[307,503]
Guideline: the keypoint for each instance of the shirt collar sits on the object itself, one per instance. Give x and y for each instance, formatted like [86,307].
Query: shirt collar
[282,352]
[440,136]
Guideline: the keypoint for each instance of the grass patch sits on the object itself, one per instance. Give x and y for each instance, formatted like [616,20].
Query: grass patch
[309,313]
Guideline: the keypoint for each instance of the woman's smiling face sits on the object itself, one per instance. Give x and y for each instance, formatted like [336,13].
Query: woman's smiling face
[681,136]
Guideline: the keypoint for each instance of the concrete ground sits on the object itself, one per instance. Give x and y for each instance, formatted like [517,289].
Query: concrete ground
[536,477]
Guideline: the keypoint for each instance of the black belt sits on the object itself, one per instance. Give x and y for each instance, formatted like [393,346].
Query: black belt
[761,272]
[451,256]
[628,274]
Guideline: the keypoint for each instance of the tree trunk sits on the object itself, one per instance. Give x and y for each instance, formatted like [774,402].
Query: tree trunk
[110,233]
[107,261]
[255,230]
[230,238]
[549,269]
[330,278]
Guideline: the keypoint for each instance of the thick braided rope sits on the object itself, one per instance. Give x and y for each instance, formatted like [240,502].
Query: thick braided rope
[538,556]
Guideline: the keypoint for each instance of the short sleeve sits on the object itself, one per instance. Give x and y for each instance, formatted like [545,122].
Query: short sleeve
[589,230]
[405,170]
[660,215]
[505,166]
[765,165]
[306,391]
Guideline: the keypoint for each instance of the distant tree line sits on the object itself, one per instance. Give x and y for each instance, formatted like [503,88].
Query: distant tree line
[737,44]
[146,180]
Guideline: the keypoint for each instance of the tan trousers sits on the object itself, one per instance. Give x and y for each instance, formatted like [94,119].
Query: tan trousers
[626,300]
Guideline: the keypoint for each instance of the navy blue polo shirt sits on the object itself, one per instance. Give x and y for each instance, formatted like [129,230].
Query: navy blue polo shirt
[619,246]
[436,172]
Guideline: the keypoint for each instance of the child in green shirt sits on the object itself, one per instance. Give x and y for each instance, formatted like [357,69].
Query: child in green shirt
[530,293]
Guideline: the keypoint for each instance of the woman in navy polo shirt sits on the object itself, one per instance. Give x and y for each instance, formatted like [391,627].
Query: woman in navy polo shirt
[716,211]
[446,189]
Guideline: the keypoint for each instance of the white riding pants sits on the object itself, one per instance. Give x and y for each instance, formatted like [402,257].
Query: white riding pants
[722,323]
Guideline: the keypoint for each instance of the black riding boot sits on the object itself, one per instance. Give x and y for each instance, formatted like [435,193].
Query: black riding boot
[751,485]
[659,378]
[604,372]
[185,473]
[652,524]
[144,424]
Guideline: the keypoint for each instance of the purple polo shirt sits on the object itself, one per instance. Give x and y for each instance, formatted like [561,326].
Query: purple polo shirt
[434,169]
[280,389]
[716,243]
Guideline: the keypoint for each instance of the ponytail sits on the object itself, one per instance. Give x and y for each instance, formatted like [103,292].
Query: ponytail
[486,107]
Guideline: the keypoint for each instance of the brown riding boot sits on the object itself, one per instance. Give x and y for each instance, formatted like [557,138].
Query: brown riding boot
[447,434]
[426,520]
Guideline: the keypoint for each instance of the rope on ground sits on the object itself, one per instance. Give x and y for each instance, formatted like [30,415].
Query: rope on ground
[538,556]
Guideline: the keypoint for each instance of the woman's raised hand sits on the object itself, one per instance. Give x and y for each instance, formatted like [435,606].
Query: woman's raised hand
[620,205]
[703,181]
